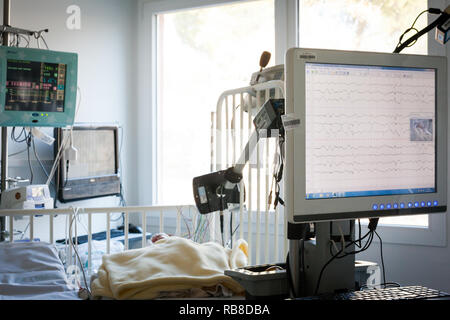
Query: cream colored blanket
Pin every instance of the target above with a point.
(171, 264)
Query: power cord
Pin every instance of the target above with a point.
(365, 247)
(372, 226)
(382, 258)
(221, 215)
(26, 137)
(277, 176)
(412, 29)
(82, 291)
(384, 284)
(412, 40)
(28, 141)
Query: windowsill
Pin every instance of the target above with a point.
(434, 235)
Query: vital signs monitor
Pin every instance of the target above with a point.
(37, 87)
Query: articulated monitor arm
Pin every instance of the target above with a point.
(219, 191)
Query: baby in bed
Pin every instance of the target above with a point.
(171, 267)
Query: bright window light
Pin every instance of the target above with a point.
(202, 53)
(364, 25)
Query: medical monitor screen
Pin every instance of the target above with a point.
(96, 153)
(95, 171)
(35, 86)
(369, 131)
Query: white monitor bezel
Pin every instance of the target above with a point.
(300, 210)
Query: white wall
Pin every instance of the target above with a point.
(106, 51)
(106, 46)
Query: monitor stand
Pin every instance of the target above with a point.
(307, 257)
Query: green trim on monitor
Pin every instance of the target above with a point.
(10, 118)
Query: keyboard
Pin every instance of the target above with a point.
(392, 293)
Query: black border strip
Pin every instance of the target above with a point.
(368, 214)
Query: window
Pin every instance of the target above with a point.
(364, 25)
(215, 45)
(201, 53)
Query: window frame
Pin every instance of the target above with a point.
(286, 36)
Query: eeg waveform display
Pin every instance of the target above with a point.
(370, 130)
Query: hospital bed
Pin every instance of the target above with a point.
(42, 268)
(32, 271)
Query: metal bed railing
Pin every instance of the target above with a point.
(184, 221)
(231, 127)
(145, 212)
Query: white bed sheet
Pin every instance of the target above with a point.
(32, 271)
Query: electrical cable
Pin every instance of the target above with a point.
(23, 232)
(335, 256)
(221, 215)
(75, 214)
(27, 139)
(29, 164)
(382, 258)
(17, 153)
(185, 223)
(203, 225)
(206, 227)
(57, 158)
(236, 229)
(24, 137)
(410, 29)
(232, 232)
(230, 241)
(56, 163)
(366, 246)
(197, 228)
(441, 19)
(38, 36)
(19, 138)
(67, 174)
(323, 269)
(279, 176)
(122, 201)
(289, 278)
(385, 284)
(372, 229)
(40, 162)
(221, 228)
(26, 39)
(359, 231)
(274, 174)
(45, 42)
